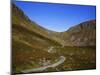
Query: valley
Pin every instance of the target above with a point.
(36, 49)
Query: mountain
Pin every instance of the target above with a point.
(78, 35)
(83, 34)
(22, 27)
(32, 43)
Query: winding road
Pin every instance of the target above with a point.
(60, 61)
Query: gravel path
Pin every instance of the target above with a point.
(60, 61)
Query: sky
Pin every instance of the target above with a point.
(57, 17)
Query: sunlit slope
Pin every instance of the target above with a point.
(23, 25)
(83, 34)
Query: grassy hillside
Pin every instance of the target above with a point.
(28, 38)
(34, 46)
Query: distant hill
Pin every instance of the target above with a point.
(83, 34)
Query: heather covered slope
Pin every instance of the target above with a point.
(34, 46)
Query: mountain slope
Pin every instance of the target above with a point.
(83, 34)
(21, 24)
(29, 42)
